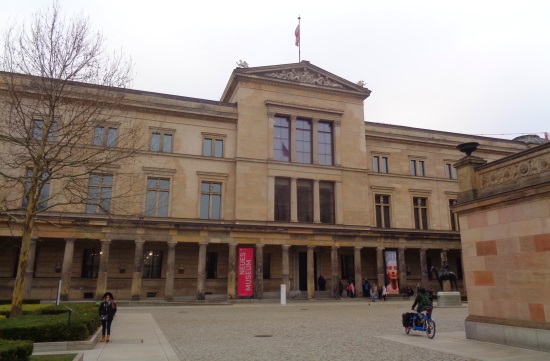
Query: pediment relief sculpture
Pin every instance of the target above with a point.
(304, 76)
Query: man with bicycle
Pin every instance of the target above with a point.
(424, 304)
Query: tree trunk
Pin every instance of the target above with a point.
(19, 287)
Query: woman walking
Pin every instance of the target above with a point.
(107, 310)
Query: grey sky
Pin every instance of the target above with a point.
(474, 67)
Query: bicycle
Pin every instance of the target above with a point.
(425, 324)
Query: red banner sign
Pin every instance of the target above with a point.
(246, 272)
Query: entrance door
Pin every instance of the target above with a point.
(302, 270)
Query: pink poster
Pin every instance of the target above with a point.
(246, 273)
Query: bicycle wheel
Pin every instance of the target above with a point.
(430, 328)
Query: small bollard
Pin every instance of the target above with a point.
(283, 294)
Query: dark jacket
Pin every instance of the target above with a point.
(107, 308)
(421, 300)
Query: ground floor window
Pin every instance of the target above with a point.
(347, 267)
(90, 263)
(152, 264)
(211, 265)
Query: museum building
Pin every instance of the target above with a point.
(284, 167)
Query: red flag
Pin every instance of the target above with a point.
(297, 33)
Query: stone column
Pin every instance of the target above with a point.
(138, 269)
(335, 284)
(357, 269)
(231, 271)
(423, 267)
(30, 267)
(66, 271)
(316, 205)
(310, 273)
(201, 273)
(293, 200)
(103, 273)
(315, 140)
(170, 262)
(259, 284)
(285, 270)
(380, 264)
(402, 268)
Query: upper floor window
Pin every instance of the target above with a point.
(161, 141)
(99, 193)
(382, 207)
(326, 202)
(303, 141)
(450, 171)
(212, 147)
(282, 199)
(105, 136)
(152, 264)
(211, 200)
(281, 144)
(324, 141)
(44, 183)
(380, 164)
(157, 197)
(417, 168)
(38, 130)
(420, 206)
(453, 216)
(305, 200)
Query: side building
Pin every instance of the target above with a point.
(284, 167)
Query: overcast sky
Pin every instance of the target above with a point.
(475, 67)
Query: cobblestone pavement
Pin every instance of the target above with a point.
(302, 330)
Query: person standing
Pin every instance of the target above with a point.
(384, 293)
(107, 310)
(373, 293)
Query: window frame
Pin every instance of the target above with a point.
(98, 208)
(450, 171)
(282, 198)
(158, 190)
(105, 131)
(152, 269)
(304, 146)
(421, 213)
(38, 130)
(211, 267)
(285, 153)
(417, 167)
(162, 133)
(214, 138)
(453, 217)
(380, 208)
(211, 178)
(331, 214)
(380, 163)
(320, 155)
(305, 207)
(44, 191)
(90, 269)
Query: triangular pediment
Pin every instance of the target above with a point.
(303, 73)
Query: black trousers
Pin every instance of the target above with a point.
(106, 325)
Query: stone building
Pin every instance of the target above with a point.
(504, 212)
(284, 164)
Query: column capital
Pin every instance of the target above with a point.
(172, 244)
(203, 243)
(260, 245)
(70, 239)
(105, 240)
(335, 248)
(310, 247)
(139, 241)
(380, 248)
(358, 247)
(285, 247)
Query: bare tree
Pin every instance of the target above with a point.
(62, 125)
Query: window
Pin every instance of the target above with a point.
(380, 164)
(212, 147)
(90, 263)
(38, 130)
(326, 202)
(282, 199)
(420, 205)
(43, 185)
(348, 271)
(156, 199)
(99, 193)
(324, 143)
(450, 171)
(417, 168)
(454, 217)
(105, 136)
(152, 264)
(211, 265)
(382, 205)
(305, 200)
(161, 142)
(267, 266)
(281, 144)
(303, 141)
(211, 197)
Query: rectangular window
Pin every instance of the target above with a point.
(382, 205)
(347, 267)
(267, 266)
(324, 143)
(43, 184)
(105, 136)
(282, 199)
(380, 164)
(161, 142)
(305, 200)
(453, 216)
(281, 139)
(211, 265)
(90, 263)
(38, 130)
(420, 205)
(99, 193)
(326, 202)
(211, 199)
(450, 171)
(212, 147)
(303, 141)
(152, 264)
(156, 198)
(417, 168)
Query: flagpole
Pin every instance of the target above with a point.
(300, 42)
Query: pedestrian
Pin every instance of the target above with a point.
(373, 293)
(384, 293)
(340, 287)
(351, 289)
(322, 282)
(379, 292)
(107, 310)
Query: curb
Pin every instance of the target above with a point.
(67, 345)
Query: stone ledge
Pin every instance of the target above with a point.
(449, 299)
(67, 345)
